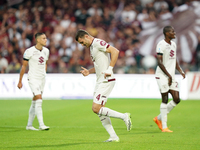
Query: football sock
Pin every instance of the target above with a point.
(38, 111)
(31, 114)
(104, 111)
(159, 117)
(106, 122)
(170, 106)
(163, 111)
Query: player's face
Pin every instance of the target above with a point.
(172, 34)
(84, 41)
(42, 40)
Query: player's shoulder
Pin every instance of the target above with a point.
(99, 42)
(46, 49)
(30, 49)
(161, 42)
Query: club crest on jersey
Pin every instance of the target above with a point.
(103, 43)
(41, 59)
(171, 53)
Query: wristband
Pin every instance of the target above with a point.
(109, 70)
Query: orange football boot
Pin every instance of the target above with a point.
(158, 122)
(166, 130)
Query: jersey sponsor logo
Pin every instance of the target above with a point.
(41, 59)
(103, 43)
(171, 53)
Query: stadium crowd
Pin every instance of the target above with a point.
(116, 21)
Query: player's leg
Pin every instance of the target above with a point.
(170, 105)
(174, 91)
(161, 119)
(100, 99)
(174, 102)
(106, 122)
(163, 110)
(32, 112)
(37, 87)
(31, 117)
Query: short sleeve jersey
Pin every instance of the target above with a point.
(169, 57)
(37, 62)
(100, 58)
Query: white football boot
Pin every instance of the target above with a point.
(31, 128)
(127, 121)
(43, 127)
(112, 139)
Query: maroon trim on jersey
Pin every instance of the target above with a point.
(102, 103)
(107, 46)
(111, 80)
(157, 78)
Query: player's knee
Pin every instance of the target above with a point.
(95, 109)
(36, 97)
(177, 100)
(165, 100)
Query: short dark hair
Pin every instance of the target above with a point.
(80, 34)
(166, 29)
(38, 34)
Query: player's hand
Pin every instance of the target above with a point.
(170, 81)
(108, 72)
(19, 85)
(183, 74)
(85, 72)
(106, 75)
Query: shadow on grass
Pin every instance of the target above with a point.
(11, 129)
(50, 146)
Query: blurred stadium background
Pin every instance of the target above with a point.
(132, 26)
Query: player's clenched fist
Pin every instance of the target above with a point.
(19, 85)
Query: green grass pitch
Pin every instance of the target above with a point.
(73, 126)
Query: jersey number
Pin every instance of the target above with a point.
(98, 97)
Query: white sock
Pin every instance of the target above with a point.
(104, 111)
(170, 106)
(159, 117)
(163, 111)
(38, 111)
(31, 114)
(106, 122)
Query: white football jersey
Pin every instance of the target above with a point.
(100, 58)
(37, 61)
(169, 57)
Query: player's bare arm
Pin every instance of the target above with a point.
(114, 56)
(46, 66)
(162, 67)
(23, 69)
(86, 72)
(180, 70)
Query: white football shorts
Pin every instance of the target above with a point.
(102, 91)
(163, 84)
(36, 85)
